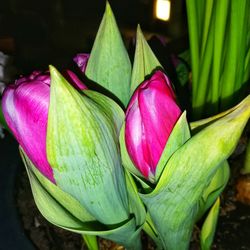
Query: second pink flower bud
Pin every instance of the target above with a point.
(151, 115)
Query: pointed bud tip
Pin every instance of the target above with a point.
(139, 28)
(139, 33)
(108, 9)
(54, 73)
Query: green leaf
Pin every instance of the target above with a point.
(173, 205)
(193, 29)
(151, 231)
(62, 210)
(109, 107)
(215, 188)
(221, 16)
(135, 203)
(83, 150)
(109, 64)
(145, 62)
(209, 226)
(179, 135)
(55, 205)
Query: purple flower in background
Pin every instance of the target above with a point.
(81, 60)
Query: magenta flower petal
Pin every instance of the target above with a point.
(81, 60)
(25, 107)
(134, 131)
(150, 118)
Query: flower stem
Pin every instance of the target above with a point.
(91, 241)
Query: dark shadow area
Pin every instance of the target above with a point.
(11, 232)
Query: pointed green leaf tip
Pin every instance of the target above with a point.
(82, 149)
(109, 64)
(144, 61)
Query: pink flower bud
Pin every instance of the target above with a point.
(150, 118)
(25, 107)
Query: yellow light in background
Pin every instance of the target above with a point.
(163, 10)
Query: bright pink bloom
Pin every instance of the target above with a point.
(150, 118)
(25, 107)
(81, 60)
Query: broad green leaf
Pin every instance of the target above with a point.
(179, 135)
(209, 226)
(109, 64)
(215, 188)
(145, 62)
(54, 208)
(64, 199)
(114, 113)
(83, 150)
(173, 205)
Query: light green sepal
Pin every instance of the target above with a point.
(114, 113)
(64, 211)
(179, 135)
(145, 62)
(109, 64)
(174, 203)
(209, 226)
(57, 206)
(83, 150)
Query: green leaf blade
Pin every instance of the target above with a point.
(173, 205)
(145, 62)
(82, 148)
(109, 64)
(209, 226)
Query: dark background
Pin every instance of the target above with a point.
(45, 32)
